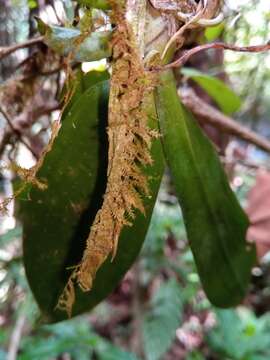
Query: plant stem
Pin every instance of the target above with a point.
(7, 50)
(136, 16)
(15, 338)
(212, 116)
(218, 45)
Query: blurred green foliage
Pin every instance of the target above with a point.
(162, 320)
(167, 264)
(228, 103)
(249, 73)
(240, 335)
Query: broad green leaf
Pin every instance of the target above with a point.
(57, 221)
(162, 320)
(82, 81)
(214, 32)
(97, 4)
(216, 224)
(53, 216)
(225, 97)
(64, 41)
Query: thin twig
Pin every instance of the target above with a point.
(7, 50)
(9, 121)
(57, 70)
(246, 163)
(17, 131)
(217, 119)
(49, 109)
(15, 338)
(218, 45)
(36, 74)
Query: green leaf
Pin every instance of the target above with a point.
(114, 353)
(214, 32)
(32, 4)
(45, 349)
(75, 338)
(162, 321)
(216, 224)
(81, 83)
(97, 4)
(223, 338)
(64, 41)
(225, 97)
(57, 221)
(53, 216)
(195, 356)
(246, 339)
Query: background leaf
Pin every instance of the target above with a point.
(224, 96)
(75, 338)
(97, 4)
(162, 320)
(215, 222)
(240, 335)
(64, 41)
(212, 33)
(258, 210)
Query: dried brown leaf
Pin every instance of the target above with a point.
(258, 210)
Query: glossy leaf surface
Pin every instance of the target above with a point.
(57, 221)
(215, 223)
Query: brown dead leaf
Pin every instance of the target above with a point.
(258, 210)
